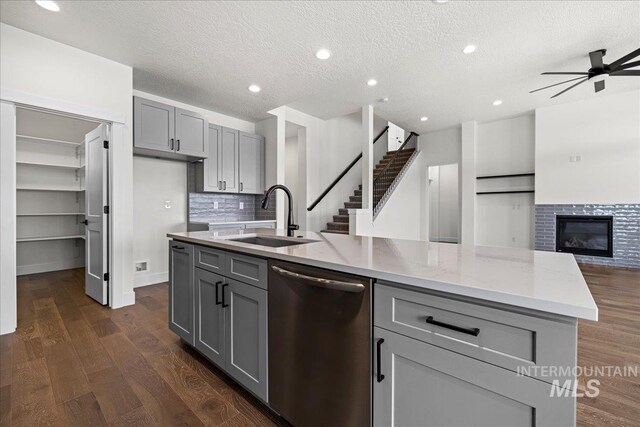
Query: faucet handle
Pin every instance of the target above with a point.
(294, 227)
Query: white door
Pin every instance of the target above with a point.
(96, 208)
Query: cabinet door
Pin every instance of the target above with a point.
(251, 163)
(153, 125)
(246, 336)
(211, 176)
(426, 385)
(192, 130)
(181, 289)
(229, 160)
(209, 315)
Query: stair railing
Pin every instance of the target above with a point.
(383, 180)
(344, 172)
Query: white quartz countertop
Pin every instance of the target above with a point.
(215, 222)
(543, 281)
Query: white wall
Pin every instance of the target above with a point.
(36, 68)
(441, 147)
(605, 132)
(157, 180)
(444, 203)
(291, 172)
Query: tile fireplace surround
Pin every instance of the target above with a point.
(626, 231)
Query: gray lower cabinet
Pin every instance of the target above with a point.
(251, 167)
(210, 316)
(246, 340)
(229, 153)
(419, 384)
(181, 270)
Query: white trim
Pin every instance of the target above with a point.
(49, 266)
(146, 279)
(44, 102)
(127, 298)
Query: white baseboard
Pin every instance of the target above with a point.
(49, 266)
(146, 279)
(128, 298)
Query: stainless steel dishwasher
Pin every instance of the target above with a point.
(319, 346)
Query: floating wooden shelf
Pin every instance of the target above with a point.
(52, 214)
(513, 175)
(47, 140)
(50, 165)
(40, 239)
(75, 190)
(505, 192)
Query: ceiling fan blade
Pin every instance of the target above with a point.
(563, 72)
(624, 59)
(561, 83)
(599, 85)
(627, 65)
(570, 87)
(625, 73)
(596, 58)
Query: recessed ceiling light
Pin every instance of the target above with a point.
(323, 54)
(424, 118)
(440, 1)
(497, 102)
(254, 88)
(49, 5)
(469, 49)
(372, 82)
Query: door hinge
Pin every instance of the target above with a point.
(106, 277)
(106, 209)
(105, 144)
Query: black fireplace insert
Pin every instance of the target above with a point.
(585, 235)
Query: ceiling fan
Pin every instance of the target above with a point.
(598, 71)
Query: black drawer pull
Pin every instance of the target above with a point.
(470, 331)
(178, 247)
(218, 302)
(379, 376)
(224, 304)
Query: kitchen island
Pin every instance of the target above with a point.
(457, 335)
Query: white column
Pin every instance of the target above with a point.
(468, 183)
(367, 157)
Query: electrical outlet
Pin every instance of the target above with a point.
(215, 205)
(578, 158)
(241, 205)
(167, 204)
(142, 266)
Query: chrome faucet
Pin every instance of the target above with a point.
(291, 227)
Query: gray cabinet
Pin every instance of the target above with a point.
(181, 270)
(229, 160)
(208, 173)
(251, 166)
(210, 316)
(421, 384)
(162, 130)
(246, 340)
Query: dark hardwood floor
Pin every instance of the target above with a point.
(73, 362)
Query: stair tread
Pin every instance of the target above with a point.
(335, 231)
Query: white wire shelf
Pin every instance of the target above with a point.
(43, 188)
(52, 214)
(50, 165)
(28, 138)
(45, 238)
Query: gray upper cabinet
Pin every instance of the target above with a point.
(251, 167)
(209, 316)
(246, 340)
(208, 173)
(153, 125)
(416, 383)
(192, 131)
(229, 153)
(181, 269)
(161, 130)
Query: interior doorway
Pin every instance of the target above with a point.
(444, 204)
(62, 196)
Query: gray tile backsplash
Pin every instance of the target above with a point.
(626, 231)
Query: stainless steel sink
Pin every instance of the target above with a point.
(273, 242)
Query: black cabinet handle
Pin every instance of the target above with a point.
(379, 376)
(224, 304)
(85, 222)
(219, 185)
(240, 186)
(178, 149)
(218, 302)
(171, 144)
(178, 247)
(470, 331)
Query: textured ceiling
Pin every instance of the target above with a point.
(207, 53)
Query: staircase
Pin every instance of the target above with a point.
(340, 223)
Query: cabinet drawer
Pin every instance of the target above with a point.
(515, 341)
(247, 269)
(210, 259)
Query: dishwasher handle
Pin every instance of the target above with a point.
(335, 285)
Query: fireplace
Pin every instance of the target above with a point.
(585, 235)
